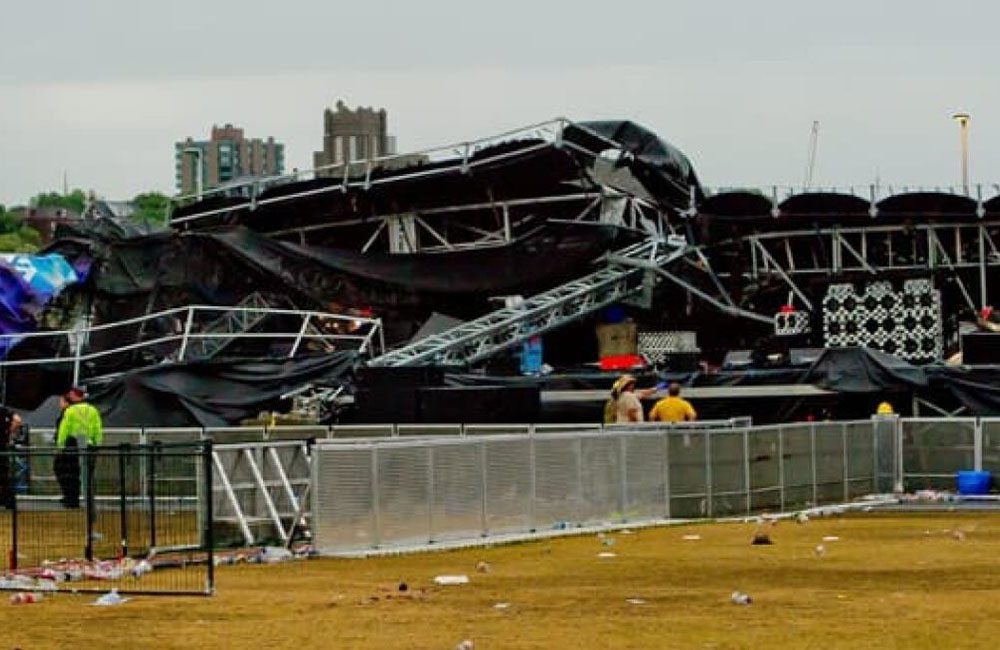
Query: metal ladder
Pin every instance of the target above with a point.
(628, 272)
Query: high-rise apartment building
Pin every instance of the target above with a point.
(349, 135)
(227, 156)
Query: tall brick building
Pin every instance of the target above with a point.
(227, 156)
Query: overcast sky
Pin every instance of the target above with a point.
(101, 89)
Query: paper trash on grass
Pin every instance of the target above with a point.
(691, 538)
(110, 598)
(452, 580)
(831, 538)
(501, 606)
(607, 554)
(635, 601)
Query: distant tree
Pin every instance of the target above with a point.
(152, 207)
(75, 200)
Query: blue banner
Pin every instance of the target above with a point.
(27, 284)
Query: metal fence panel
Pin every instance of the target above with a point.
(458, 478)
(645, 476)
(602, 490)
(765, 468)
(991, 445)
(797, 465)
(508, 486)
(861, 459)
(558, 481)
(728, 470)
(689, 473)
(934, 449)
(403, 494)
(343, 493)
(830, 456)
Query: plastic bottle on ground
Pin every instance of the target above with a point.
(740, 598)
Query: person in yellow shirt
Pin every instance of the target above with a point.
(673, 407)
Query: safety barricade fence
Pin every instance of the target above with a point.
(132, 517)
(385, 494)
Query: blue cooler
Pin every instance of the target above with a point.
(970, 482)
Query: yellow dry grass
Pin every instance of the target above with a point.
(890, 582)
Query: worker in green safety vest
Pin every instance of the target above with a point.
(78, 425)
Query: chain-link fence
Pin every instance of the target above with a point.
(133, 517)
(414, 492)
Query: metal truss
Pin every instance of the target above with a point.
(930, 247)
(481, 338)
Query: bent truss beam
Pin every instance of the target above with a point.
(481, 338)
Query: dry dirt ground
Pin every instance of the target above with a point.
(890, 581)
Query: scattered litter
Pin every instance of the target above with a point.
(501, 606)
(483, 567)
(608, 541)
(141, 569)
(606, 554)
(452, 580)
(691, 538)
(831, 538)
(25, 598)
(740, 598)
(467, 644)
(635, 601)
(274, 554)
(110, 598)
(802, 517)
(761, 539)
(820, 550)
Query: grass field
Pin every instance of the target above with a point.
(890, 581)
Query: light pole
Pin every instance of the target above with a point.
(198, 171)
(963, 125)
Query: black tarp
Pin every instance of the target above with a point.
(658, 166)
(213, 393)
(975, 388)
(861, 370)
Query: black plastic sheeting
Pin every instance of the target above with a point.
(213, 393)
(861, 370)
(661, 168)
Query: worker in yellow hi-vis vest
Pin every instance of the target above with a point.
(79, 424)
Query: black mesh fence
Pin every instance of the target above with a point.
(136, 518)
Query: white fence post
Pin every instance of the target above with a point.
(376, 519)
(708, 473)
(812, 456)
(623, 476)
(666, 474)
(484, 520)
(746, 466)
(977, 452)
(430, 493)
(898, 469)
(781, 468)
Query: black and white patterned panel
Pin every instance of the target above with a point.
(905, 323)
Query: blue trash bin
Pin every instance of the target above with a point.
(972, 482)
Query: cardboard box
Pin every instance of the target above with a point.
(617, 339)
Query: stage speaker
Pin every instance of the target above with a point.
(479, 404)
(409, 376)
(803, 356)
(386, 405)
(737, 360)
(981, 349)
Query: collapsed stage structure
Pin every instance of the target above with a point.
(276, 288)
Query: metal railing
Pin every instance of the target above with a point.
(186, 325)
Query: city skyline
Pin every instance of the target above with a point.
(735, 87)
